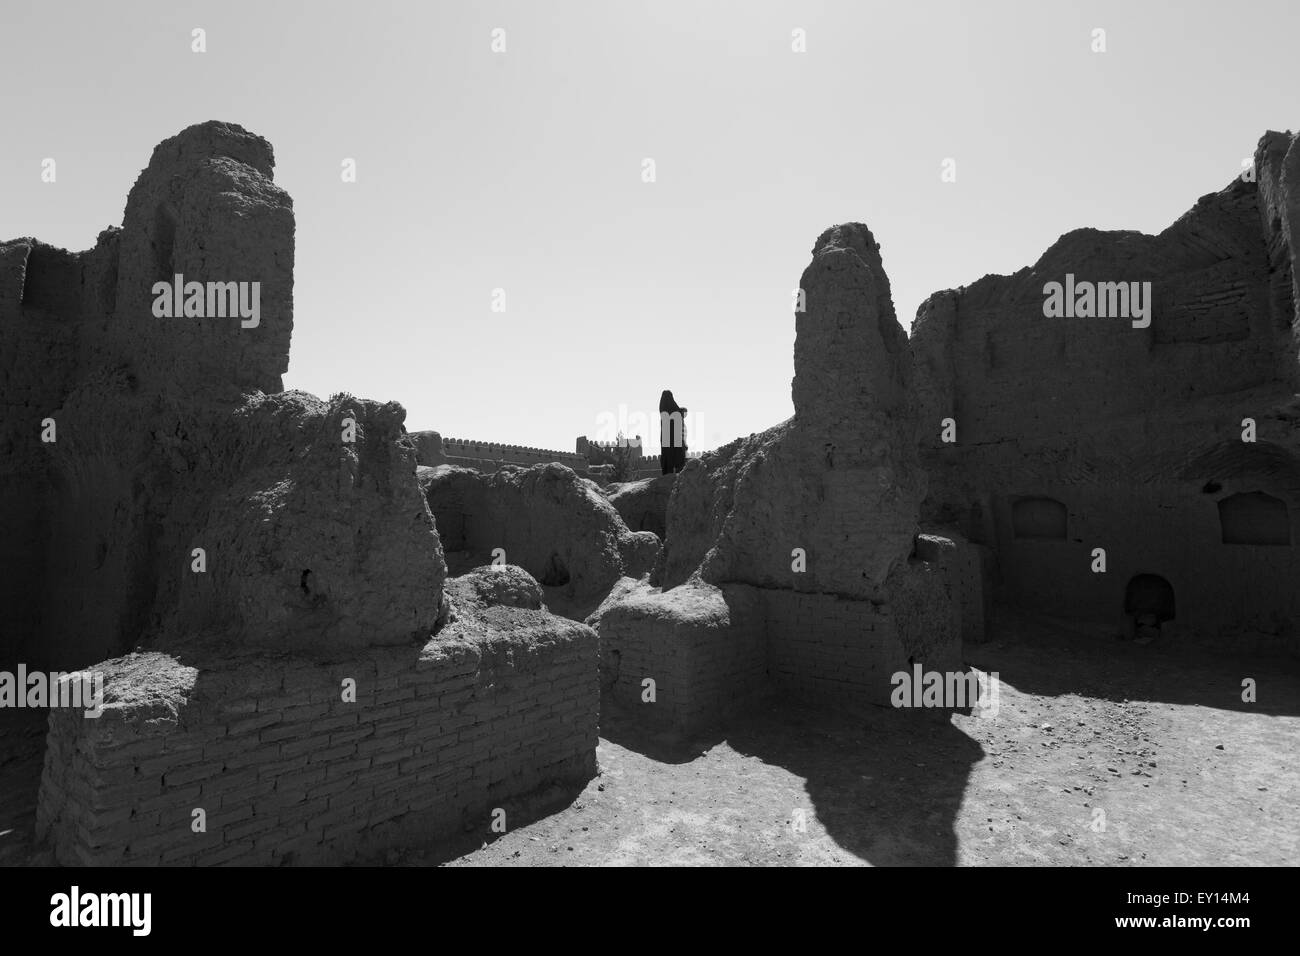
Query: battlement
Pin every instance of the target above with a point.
(475, 443)
(433, 449)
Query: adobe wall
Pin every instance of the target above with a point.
(1168, 528)
(793, 553)
(1136, 431)
(37, 355)
(547, 519)
(702, 647)
(129, 392)
(712, 651)
(258, 546)
(643, 503)
(488, 457)
(287, 772)
(205, 207)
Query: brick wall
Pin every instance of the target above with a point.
(713, 651)
(287, 772)
(703, 648)
(829, 649)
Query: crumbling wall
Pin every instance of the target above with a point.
(1120, 423)
(843, 481)
(260, 547)
(711, 651)
(428, 448)
(316, 536)
(546, 519)
(811, 525)
(285, 770)
(681, 659)
(37, 353)
(123, 388)
(1277, 170)
(643, 504)
(205, 208)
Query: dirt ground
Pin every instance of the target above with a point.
(1102, 753)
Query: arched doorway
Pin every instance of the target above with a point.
(1149, 603)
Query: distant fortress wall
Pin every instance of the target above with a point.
(486, 456)
(432, 449)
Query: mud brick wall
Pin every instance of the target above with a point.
(287, 772)
(1168, 529)
(713, 651)
(37, 354)
(840, 652)
(704, 649)
(828, 649)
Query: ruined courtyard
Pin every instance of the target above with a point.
(320, 638)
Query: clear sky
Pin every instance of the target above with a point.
(523, 170)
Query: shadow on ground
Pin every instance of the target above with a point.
(1053, 657)
(885, 785)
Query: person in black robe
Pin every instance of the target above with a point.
(672, 434)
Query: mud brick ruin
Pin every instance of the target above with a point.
(226, 689)
(1086, 433)
(331, 637)
(790, 558)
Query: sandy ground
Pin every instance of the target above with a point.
(1102, 752)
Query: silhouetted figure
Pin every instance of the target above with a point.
(672, 434)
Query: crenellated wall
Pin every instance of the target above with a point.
(433, 449)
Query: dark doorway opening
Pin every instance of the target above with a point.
(1149, 602)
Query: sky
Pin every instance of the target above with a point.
(524, 170)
